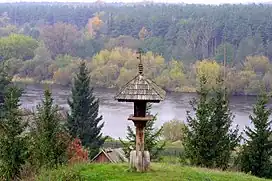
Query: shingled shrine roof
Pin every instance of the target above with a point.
(141, 88)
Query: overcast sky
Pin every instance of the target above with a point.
(169, 1)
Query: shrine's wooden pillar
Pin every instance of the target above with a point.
(139, 111)
(140, 120)
(140, 91)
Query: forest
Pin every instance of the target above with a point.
(44, 42)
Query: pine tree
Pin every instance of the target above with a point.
(257, 152)
(83, 121)
(50, 146)
(12, 141)
(208, 137)
(152, 139)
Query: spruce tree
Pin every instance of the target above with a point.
(208, 137)
(196, 132)
(49, 145)
(83, 120)
(5, 80)
(151, 136)
(225, 139)
(12, 141)
(257, 152)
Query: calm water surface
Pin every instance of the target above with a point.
(115, 114)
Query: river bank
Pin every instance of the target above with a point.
(185, 89)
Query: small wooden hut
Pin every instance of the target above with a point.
(140, 90)
(109, 155)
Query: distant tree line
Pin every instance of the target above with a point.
(184, 32)
(44, 42)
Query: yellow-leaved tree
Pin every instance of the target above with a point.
(172, 77)
(93, 26)
(258, 64)
(116, 67)
(210, 69)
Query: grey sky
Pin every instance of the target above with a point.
(169, 1)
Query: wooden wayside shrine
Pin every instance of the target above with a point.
(140, 90)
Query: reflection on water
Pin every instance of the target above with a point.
(115, 113)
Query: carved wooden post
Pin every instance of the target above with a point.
(140, 90)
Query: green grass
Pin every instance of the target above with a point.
(176, 144)
(158, 172)
(170, 159)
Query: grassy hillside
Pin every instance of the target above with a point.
(159, 172)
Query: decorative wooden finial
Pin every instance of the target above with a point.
(141, 68)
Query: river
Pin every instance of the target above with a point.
(115, 113)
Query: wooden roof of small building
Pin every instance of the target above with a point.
(116, 155)
(140, 88)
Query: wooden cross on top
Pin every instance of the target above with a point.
(141, 68)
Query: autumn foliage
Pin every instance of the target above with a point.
(94, 24)
(76, 152)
